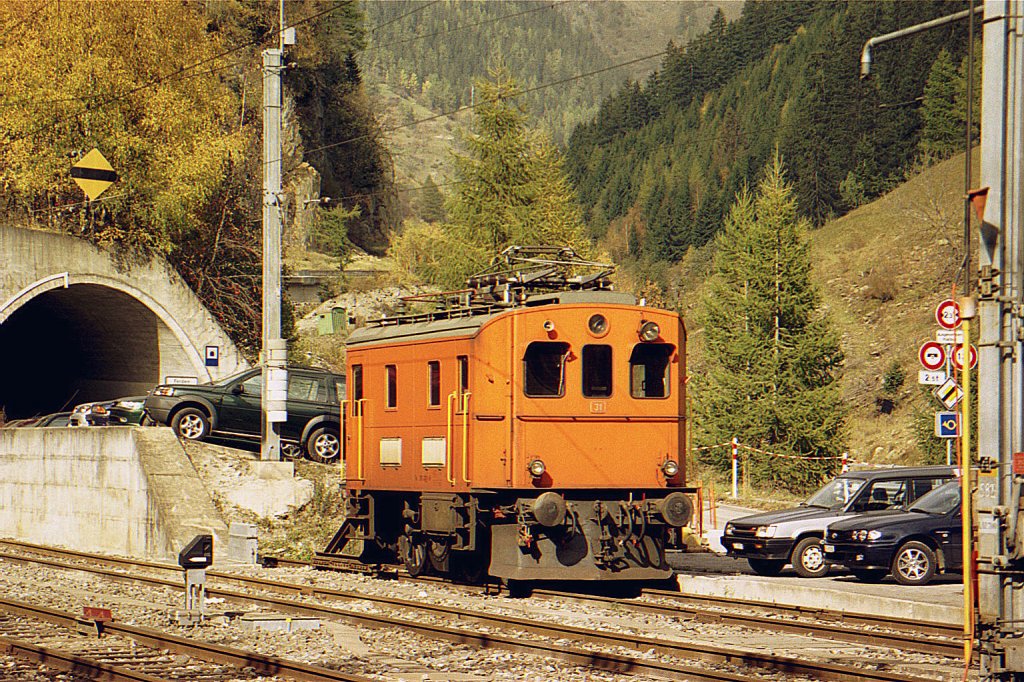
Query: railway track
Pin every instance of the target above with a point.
(549, 638)
(125, 653)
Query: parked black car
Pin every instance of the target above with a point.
(912, 545)
(231, 407)
(773, 539)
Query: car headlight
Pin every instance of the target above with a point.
(862, 535)
(728, 529)
(163, 390)
(129, 404)
(765, 531)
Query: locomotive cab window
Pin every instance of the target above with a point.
(597, 371)
(648, 370)
(392, 387)
(434, 375)
(357, 388)
(544, 369)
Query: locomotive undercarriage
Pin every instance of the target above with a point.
(517, 535)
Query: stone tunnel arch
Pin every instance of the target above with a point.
(94, 339)
(75, 328)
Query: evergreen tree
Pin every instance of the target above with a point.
(431, 208)
(943, 131)
(773, 360)
(511, 188)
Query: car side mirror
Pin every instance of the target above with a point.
(238, 389)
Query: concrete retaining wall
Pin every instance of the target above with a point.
(122, 490)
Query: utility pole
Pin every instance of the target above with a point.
(274, 356)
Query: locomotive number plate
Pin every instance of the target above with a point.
(597, 407)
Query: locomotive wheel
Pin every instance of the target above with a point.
(413, 555)
(439, 553)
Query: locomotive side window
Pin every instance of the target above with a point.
(392, 394)
(463, 373)
(434, 372)
(597, 371)
(357, 382)
(544, 364)
(463, 382)
(648, 370)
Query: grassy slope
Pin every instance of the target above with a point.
(910, 242)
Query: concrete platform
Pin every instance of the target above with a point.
(715, 574)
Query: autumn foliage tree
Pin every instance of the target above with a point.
(170, 94)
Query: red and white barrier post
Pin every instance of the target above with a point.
(735, 468)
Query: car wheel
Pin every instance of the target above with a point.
(323, 445)
(869, 575)
(766, 567)
(291, 450)
(809, 558)
(146, 421)
(914, 564)
(191, 423)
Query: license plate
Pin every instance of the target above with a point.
(829, 548)
(737, 545)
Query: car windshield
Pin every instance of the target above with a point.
(942, 500)
(835, 494)
(227, 380)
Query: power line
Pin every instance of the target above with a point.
(469, 107)
(403, 16)
(174, 75)
(461, 28)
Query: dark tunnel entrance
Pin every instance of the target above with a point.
(69, 346)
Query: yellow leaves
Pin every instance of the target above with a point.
(118, 76)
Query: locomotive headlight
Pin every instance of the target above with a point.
(649, 331)
(536, 468)
(765, 531)
(670, 468)
(597, 324)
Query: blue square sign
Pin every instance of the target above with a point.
(213, 356)
(947, 424)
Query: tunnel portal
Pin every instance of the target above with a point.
(83, 343)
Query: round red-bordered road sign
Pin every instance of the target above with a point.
(932, 355)
(957, 356)
(947, 314)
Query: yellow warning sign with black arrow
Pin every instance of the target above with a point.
(93, 174)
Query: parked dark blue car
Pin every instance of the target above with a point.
(912, 545)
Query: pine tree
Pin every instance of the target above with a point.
(943, 132)
(773, 360)
(431, 205)
(511, 188)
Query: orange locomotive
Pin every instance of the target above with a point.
(531, 436)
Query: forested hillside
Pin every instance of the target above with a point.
(432, 51)
(663, 158)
